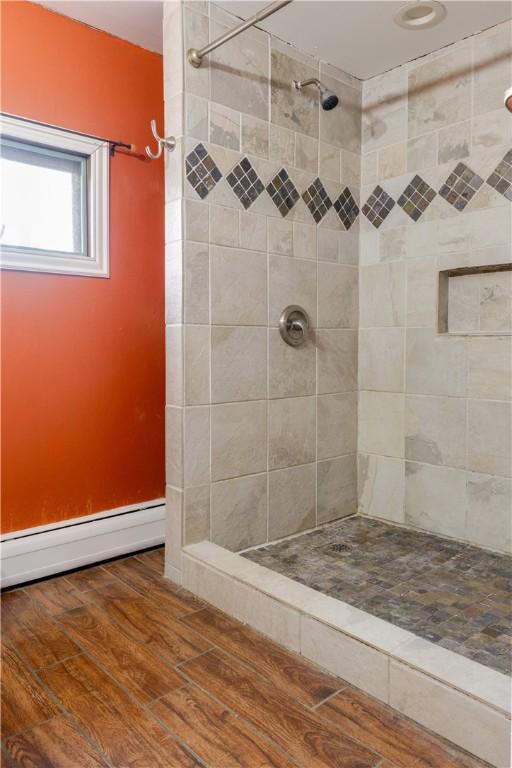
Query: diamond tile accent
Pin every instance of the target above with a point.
(501, 177)
(201, 171)
(245, 183)
(317, 200)
(283, 192)
(460, 186)
(416, 197)
(346, 208)
(378, 206)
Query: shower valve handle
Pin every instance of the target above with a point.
(294, 325)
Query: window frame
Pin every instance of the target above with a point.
(95, 262)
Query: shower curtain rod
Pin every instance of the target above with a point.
(113, 145)
(195, 56)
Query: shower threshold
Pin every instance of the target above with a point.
(455, 595)
(366, 600)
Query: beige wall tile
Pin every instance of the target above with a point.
(351, 169)
(489, 368)
(454, 142)
(337, 425)
(196, 117)
(351, 660)
(435, 499)
(385, 110)
(337, 360)
(463, 304)
(381, 359)
(197, 364)
(422, 152)
(174, 446)
(174, 293)
(292, 504)
(239, 512)
(489, 436)
(342, 127)
(196, 442)
(435, 431)
(392, 161)
(254, 136)
(381, 423)
(239, 73)
(369, 168)
(253, 231)
(196, 510)
(280, 237)
(435, 365)
(495, 302)
(291, 281)
(329, 162)
(239, 439)
(381, 487)
(306, 153)
(382, 301)
(459, 718)
(440, 91)
(174, 364)
(292, 370)
(223, 225)
(291, 431)
(328, 244)
(421, 298)
(336, 488)
(291, 108)
(197, 81)
(196, 283)
(392, 244)
(239, 287)
(239, 364)
(489, 520)
(224, 126)
(337, 296)
(304, 240)
(196, 221)
(491, 50)
(281, 145)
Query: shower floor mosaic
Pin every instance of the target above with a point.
(452, 594)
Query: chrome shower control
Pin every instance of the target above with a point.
(294, 325)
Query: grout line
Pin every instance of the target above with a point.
(328, 698)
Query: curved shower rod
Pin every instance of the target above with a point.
(195, 56)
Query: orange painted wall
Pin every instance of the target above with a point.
(83, 358)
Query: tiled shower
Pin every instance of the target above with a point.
(365, 475)
(351, 214)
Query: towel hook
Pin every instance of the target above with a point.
(169, 143)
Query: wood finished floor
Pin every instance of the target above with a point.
(114, 666)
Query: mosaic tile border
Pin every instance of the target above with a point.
(459, 188)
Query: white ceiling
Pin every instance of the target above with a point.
(359, 36)
(139, 21)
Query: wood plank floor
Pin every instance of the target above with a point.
(115, 667)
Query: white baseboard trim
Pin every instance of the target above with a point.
(37, 552)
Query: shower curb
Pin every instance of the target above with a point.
(455, 697)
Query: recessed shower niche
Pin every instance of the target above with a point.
(476, 300)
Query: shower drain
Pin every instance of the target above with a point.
(340, 548)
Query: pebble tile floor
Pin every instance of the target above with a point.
(452, 594)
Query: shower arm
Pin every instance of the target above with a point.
(195, 56)
(300, 84)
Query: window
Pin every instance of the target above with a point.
(53, 200)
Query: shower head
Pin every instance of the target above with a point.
(328, 99)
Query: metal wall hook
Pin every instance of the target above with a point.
(169, 143)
